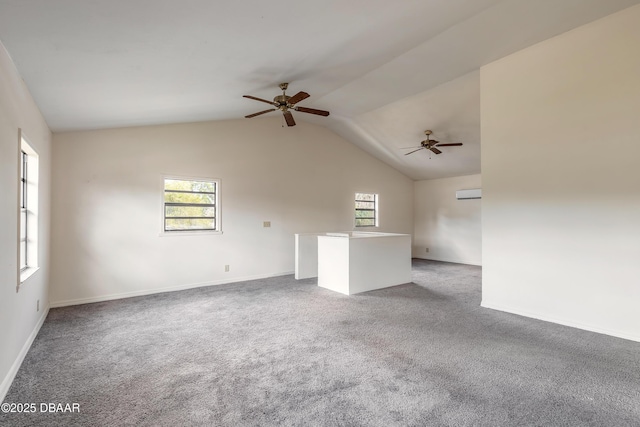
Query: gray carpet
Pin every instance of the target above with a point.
(285, 352)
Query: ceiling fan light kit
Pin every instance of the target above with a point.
(431, 144)
(286, 103)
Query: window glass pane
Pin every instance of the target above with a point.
(23, 177)
(189, 224)
(172, 211)
(188, 185)
(184, 200)
(365, 205)
(360, 222)
(189, 198)
(23, 224)
(365, 214)
(28, 219)
(365, 196)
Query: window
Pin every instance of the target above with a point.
(28, 222)
(24, 235)
(366, 210)
(190, 205)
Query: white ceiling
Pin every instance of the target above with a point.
(386, 70)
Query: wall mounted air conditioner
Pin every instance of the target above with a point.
(475, 193)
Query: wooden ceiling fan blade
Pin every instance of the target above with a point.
(298, 97)
(261, 112)
(288, 117)
(453, 144)
(259, 99)
(407, 148)
(421, 148)
(435, 150)
(312, 111)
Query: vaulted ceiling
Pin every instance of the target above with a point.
(386, 70)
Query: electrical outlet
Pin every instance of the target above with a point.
(427, 250)
(38, 305)
(226, 268)
(266, 224)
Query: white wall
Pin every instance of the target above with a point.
(108, 192)
(450, 228)
(18, 316)
(561, 182)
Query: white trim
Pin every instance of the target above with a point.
(122, 295)
(8, 379)
(26, 273)
(446, 260)
(560, 321)
(187, 233)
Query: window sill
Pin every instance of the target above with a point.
(26, 273)
(188, 233)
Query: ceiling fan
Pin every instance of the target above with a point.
(285, 103)
(431, 144)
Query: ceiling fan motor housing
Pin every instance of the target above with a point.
(282, 100)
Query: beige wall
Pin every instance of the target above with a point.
(450, 228)
(18, 316)
(561, 182)
(107, 206)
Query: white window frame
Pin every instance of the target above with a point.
(376, 210)
(164, 233)
(31, 206)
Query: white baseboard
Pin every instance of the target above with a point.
(8, 379)
(122, 295)
(560, 321)
(445, 260)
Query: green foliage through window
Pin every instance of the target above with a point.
(190, 205)
(366, 210)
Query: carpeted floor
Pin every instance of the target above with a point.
(285, 352)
